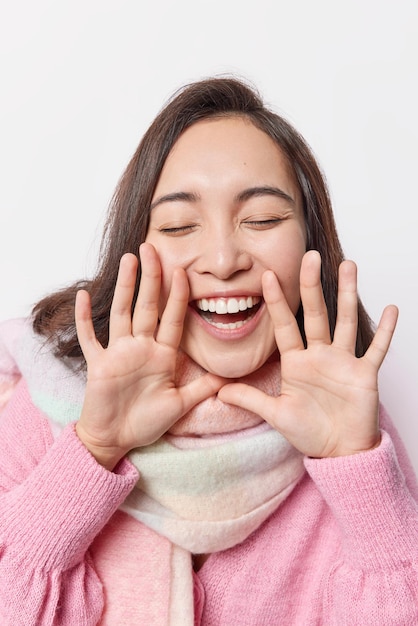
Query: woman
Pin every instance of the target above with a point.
(205, 444)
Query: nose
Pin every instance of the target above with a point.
(223, 256)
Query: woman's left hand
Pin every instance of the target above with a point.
(328, 404)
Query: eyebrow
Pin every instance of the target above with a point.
(176, 196)
(242, 196)
(265, 190)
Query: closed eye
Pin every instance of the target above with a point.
(264, 224)
(177, 230)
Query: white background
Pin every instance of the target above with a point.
(81, 80)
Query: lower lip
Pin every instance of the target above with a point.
(229, 334)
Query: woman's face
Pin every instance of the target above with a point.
(226, 208)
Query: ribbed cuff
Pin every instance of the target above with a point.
(368, 497)
(53, 516)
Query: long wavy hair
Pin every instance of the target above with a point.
(128, 217)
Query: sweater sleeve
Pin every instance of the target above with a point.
(375, 579)
(55, 498)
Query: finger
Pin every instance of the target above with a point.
(120, 321)
(170, 329)
(200, 389)
(145, 318)
(251, 399)
(190, 395)
(286, 329)
(84, 325)
(383, 337)
(345, 334)
(315, 311)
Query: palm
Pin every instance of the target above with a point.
(132, 373)
(131, 398)
(328, 404)
(325, 396)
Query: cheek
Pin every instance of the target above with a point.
(289, 280)
(165, 291)
(167, 265)
(170, 257)
(291, 290)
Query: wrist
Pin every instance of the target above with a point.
(366, 447)
(107, 456)
(358, 449)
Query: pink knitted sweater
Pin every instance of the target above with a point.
(342, 549)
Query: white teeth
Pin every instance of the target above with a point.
(231, 326)
(221, 306)
(233, 306)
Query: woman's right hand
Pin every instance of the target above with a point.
(131, 398)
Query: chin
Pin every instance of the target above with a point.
(230, 359)
(234, 368)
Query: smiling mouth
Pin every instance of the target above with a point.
(228, 313)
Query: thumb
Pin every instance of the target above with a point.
(200, 389)
(246, 397)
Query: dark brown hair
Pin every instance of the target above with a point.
(127, 222)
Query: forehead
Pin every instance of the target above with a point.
(216, 147)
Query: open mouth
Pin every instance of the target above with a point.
(228, 313)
